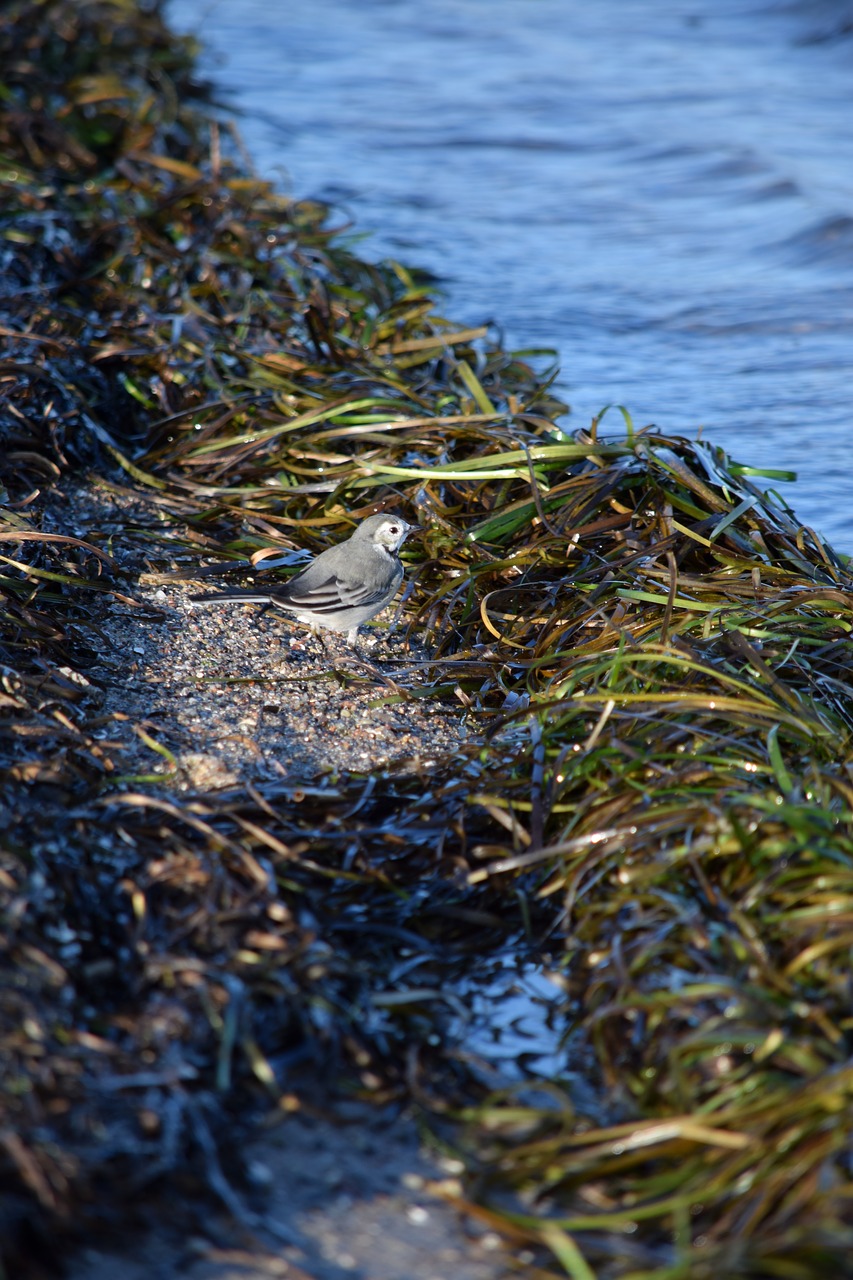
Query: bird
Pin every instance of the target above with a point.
(344, 585)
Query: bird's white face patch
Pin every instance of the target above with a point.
(391, 534)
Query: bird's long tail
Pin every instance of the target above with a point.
(234, 596)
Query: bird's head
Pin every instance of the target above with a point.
(386, 531)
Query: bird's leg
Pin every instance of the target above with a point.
(317, 633)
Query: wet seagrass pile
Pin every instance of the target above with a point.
(618, 703)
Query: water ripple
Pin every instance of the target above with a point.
(672, 209)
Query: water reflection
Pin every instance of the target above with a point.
(513, 1022)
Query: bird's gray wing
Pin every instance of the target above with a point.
(332, 594)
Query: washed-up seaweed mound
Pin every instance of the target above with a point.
(652, 656)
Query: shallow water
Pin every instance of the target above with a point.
(661, 190)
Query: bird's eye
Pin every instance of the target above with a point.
(394, 528)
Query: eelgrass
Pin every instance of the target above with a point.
(653, 655)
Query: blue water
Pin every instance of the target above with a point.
(660, 190)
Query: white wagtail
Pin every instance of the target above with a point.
(345, 585)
